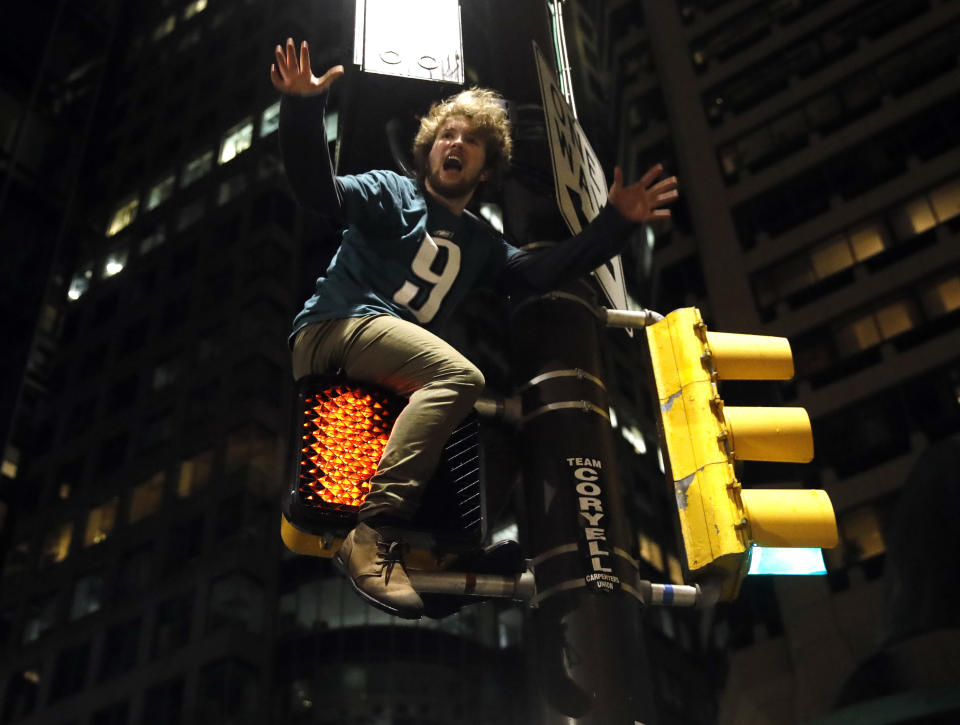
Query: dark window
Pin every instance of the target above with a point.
(273, 207)
(163, 703)
(184, 261)
(863, 435)
(120, 648)
(228, 691)
(135, 573)
(116, 714)
(70, 672)
(134, 336)
(175, 313)
(184, 543)
(122, 395)
(91, 363)
(106, 308)
(21, 694)
(258, 377)
(113, 453)
(236, 600)
(157, 429)
(172, 628)
(230, 516)
(266, 259)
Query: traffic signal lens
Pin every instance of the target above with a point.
(790, 517)
(786, 560)
(770, 434)
(750, 357)
(345, 430)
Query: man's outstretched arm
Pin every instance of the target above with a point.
(303, 140)
(600, 240)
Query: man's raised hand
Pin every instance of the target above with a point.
(293, 75)
(642, 201)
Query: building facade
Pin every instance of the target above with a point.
(821, 200)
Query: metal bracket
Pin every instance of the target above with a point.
(633, 319)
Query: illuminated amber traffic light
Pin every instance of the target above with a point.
(345, 428)
(702, 439)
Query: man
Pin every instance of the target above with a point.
(408, 255)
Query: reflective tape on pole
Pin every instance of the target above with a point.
(770, 434)
(790, 517)
(750, 357)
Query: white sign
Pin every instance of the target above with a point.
(578, 177)
(410, 38)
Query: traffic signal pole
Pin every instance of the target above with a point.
(585, 644)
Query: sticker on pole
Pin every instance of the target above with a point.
(578, 177)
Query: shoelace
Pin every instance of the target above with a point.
(389, 554)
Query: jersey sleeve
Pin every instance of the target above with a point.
(306, 155)
(546, 268)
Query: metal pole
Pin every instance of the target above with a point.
(587, 649)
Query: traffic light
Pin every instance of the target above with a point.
(344, 426)
(702, 439)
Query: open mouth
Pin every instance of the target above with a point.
(452, 163)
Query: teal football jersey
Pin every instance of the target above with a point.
(402, 254)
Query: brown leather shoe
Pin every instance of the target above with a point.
(372, 561)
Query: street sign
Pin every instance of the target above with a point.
(410, 39)
(578, 177)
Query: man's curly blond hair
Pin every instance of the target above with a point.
(485, 111)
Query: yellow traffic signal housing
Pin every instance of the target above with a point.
(702, 438)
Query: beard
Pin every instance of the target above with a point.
(453, 189)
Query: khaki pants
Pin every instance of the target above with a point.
(442, 386)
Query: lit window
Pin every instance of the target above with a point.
(331, 124)
(80, 282)
(193, 8)
(123, 216)
(87, 596)
(56, 544)
(868, 240)
(160, 192)
(493, 214)
(196, 168)
(230, 189)
(832, 257)
(100, 522)
(9, 469)
(154, 240)
(914, 217)
(270, 120)
(650, 551)
(165, 28)
(861, 534)
(946, 200)
(635, 438)
(675, 570)
(895, 319)
(194, 474)
(114, 263)
(237, 140)
(858, 335)
(190, 215)
(146, 498)
(943, 297)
